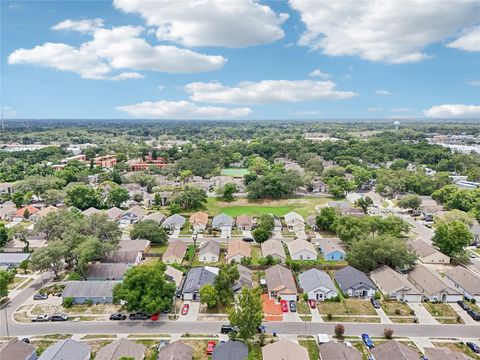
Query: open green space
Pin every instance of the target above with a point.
(234, 172)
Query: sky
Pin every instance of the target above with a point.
(242, 59)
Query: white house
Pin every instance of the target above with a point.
(464, 281)
(395, 285)
(209, 251)
(302, 250)
(317, 285)
(294, 221)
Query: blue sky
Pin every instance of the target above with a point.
(242, 60)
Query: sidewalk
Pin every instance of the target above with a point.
(463, 314)
(384, 319)
(316, 317)
(422, 314)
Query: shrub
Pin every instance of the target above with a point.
(388, 333)
(473, 300)
(67, 302)
(398, 312)
(378, 296)
(74, 276)
(305, 297)
(339, 330)
(89, 302)
(329, 316)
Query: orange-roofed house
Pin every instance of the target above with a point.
(20, 213)
(199, 221)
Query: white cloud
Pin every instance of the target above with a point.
(374, 109)
(378, 30)
(233, 24)
(400, 110)
(319, 73)
(128, 75)
(181, 110)
(266, 91)
(87, 26)
(453, 111)
(383, 92)
(116, 49)
(8, 111)
(474, 82)
(304, 112)
(469, 41)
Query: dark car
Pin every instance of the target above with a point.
(59, 317)
(162, 344)
(39, 296)
(41, 318)
(248, 239)
(26, 340)
(138, 316)
(463, 305)
(475, 348)
(473, 314)
(293, 306)
(227, 329)
(368, 341)
(375, 303)
(118, 316)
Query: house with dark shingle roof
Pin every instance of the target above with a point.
(174, 222)
(99, 292)
(355, 283)
(196, 278)
(106, 271)
(67, 349)
(230, 350)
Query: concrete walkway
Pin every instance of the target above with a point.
(316, 317)
(384, 319)
(422, 314)
(291, 317)
(463, 314)
(422, 343)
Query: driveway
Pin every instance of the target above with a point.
(225, 233)
(384, 319)
(175, 234)
(301, 235)
(463, 314)
(247, 233)
(291, 317)
(192, 311)
(316, 317)
(422, 314)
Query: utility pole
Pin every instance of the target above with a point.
(6, 322)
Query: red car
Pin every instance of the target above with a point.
(185, 308)
(284, 304)
(312, 303)
(154, 317)
(210, 346)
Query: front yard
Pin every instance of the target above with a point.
(457, 347)
(440, 310)
(311, 345)
(396, 308)
(347, 307)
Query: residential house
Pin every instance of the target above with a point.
(275, 249)
(244, 222)
(24, 212)
(355, 283)
(157, 216)
(464, 281)
(175, 351)
(331, 249)
(131, 257)
(394, 285)
(114, 213)
(196, 278)
(428, 254)
(245, 279)
(230, 350)
(317, 285)
(174, 275)
(280, 283)
(42, 212)
(432, 286)
(302, 250)
(209, 251)
(175, 252)
(7, 210)
(277, 224)
(7, 188)
(164, 197)
(222, 222)
(64, 349)
(106, 271)
(134, 245)
(476, 233)
(91, 211)
(444, 353)
(294, 222)
(121, 349)
(394, 350)
(345, 209)
(333, 350)
(16, 349)
(174, 222)
(132, 215)
(429, 208)
(107, 161)
(12, 260)
(284, 349)
(198, 221)
(99, 292)
(237, 250)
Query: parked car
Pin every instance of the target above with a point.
(312, 303)
(293, 306)
(185, 308)
(227, 329)
(284, 305)
(375, 303)
(210, 346)
(463, 305)
(41, 318)
(248, 239)
(138, 316)
(162, 344)
(118, 316)
(59, 317)
(368, 341)
(39, 296)
(154, 317)
(26, 340)
(475, 348)
(473, 314)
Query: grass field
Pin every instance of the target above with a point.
(234, 172)
(347, 307)
(439, 310)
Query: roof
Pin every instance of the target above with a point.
(107, 270)
(175, 250)
(298, 245)
(222, 220)
(391, 281)
(330, 246)
(114, 213)
(338, 351)
(13, 258)
(176, 351)
(133, 245)
(90, 211)
(428, 281)
(209, 247)
(394, 350)
(16, 349)
(89, 288)
(293, 216)
(199, 276)
(121, 348)
(230, 350)
(199, 218)
(174, 275)
(349, 277)
(444, 353)
(31, 209)
(238, 247)
(174, 219)
(273, 247)
(137, 211)
(46, 210)
(122, 256)
(284, 350)
(465, 278)
(280, 279)
(475, 230)
(155, 216)
(424, 249)
(245, 279)
(67, 349)
(312, 279)
(244, 220)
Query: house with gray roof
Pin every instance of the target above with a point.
(196, 278)
(176, 351)
(121, 348)
(99, 292)
(464, 281)
(209, 251)
(394, 285)
(106, 271)
(124, 256)
(132, 215)
(90, 211)
(432, 286)
(355, 283)
(245, 279)
(230, 350)
(222, 222)
(18, 350)
(158, 217)
(393, 350)
(444, 353)
(317, 284)
(67, 349)
(174, 222)
(428, 254)
(12, 260)
(333, 350)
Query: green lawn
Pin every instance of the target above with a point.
(347, 307)
(234, 172)
(312, 347)
(440, 309)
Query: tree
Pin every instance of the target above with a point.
(190, 198)
(228, 190)
(208, 295)
(57, 223)
(185, 175)
(327, 219)
(53, 196)
(24, 265)
(18, 198)
(4, 235)
(274, 184)
(145, 288)
(388, 333)
(90, 249)
(227, 275)
(20, 232)
(149, 230)
(5, 278)
(260, 234)
(247, 314)
(410, 202)
(453, 215)
(452, 237)
(258, 165)
(117, 196)
(364, 203)
(339, 330)
(82, 196)
(49, 257)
